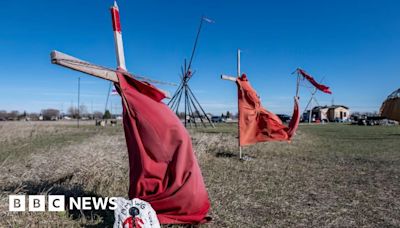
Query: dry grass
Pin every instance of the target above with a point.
(329, 176)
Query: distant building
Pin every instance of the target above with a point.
(333, 113)
(338, 113)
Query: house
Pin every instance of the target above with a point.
(338, 113)
(333, 113)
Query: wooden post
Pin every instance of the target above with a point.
(238, 63)
(234, 79)
(309, 104)
(79, 97)
(238, 75)
(298, 83)
(119, 46)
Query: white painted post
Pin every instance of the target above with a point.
(238, 62)
(234, 79)
(119, 46)
(238, 75)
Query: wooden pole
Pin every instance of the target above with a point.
(234, 79)
(238, 75)
(79, 96)
(195, 43)
(229, 78)
(185, 78)
(119, 46)
(68, 61)
(298, 83)
(309, 104)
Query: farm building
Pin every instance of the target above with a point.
(333, 113)
(391, 106)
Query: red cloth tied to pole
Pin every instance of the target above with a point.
(321, 87)
(256, 124)
(163, 169)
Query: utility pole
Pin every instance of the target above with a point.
(79, 96)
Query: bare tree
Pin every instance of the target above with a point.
(3, 115)
(83, 110)
(13, 115)
(50, 114)
(97, 115)
(33, 116)
(73, 112)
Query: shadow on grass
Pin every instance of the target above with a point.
(105, 217)
(225, 154)
(384, 137)
(228, 154)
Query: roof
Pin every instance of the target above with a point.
(395, 94)
(330, 107)
(338, 106)
(320, 107)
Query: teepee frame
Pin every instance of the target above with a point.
(194, 113)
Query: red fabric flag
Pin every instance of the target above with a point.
(257, 124)
(163, 168)
(321, 87)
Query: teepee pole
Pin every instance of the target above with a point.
(195, 43)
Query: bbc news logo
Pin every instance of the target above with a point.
(37, 203)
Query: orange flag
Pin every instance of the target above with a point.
(256, 124)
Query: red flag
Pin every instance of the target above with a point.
(256, 124)
(163, 169)
(321, 87)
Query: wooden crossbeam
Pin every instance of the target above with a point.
(73, 63)
(229, 78)
(68, 61)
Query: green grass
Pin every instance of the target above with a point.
(329, 175)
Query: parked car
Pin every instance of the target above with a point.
(216, 119)
(368, 120)
(284, 118)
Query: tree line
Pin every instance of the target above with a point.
(54, 114)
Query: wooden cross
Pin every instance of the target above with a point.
(89, 68)
(234, 79)
(73, 63)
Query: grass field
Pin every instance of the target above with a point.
(328, 176)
